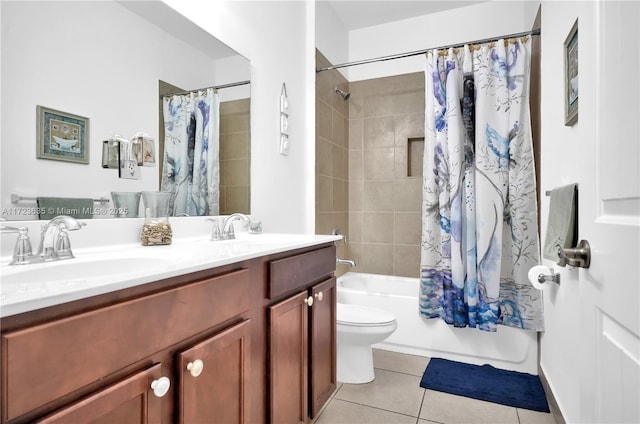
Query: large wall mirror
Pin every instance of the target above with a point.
(110, 62)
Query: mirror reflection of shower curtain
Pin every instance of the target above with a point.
(479, 230)
(191, 167)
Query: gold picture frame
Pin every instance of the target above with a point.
(571, 76)
(61, 136)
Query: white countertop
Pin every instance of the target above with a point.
(112, 267)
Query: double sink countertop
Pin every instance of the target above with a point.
(113, 266)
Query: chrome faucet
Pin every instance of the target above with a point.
(227, 227)
(349, 262)
(226, 231)
(54, 239)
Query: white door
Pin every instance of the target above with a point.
(610, 220)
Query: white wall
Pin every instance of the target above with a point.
(332, 37)
(278, 38)
(480, 21)
(64, 56)
(229, 70)
(562, 307)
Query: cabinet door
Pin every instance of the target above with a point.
(288, 360)
(129, 401)
(322, 358)
(214, 377)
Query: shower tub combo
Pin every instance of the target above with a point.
(508, 348)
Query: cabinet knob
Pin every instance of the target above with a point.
(161, 386)
(319, 296)
(309, 301)
(195, 367)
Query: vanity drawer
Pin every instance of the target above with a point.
(45, 362)
(288, 274)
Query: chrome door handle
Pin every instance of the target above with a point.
(579, 256)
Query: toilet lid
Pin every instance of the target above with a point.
(362, 315)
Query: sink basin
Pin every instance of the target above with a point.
(79, 269)
(263, 239)
(39, 285)
(269, 238)
(245, 242)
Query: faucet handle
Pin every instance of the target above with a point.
(336, 232)
(63, 245)
(255, 227)
(22, 251)
(216, 233)
(229, 233)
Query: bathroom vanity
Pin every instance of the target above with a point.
(247, 338)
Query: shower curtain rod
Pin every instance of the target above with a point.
(216, 87)
(418, 52)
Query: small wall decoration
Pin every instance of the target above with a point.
(111, 153)
(147, 148)
(284, 121)
(61, 136)
(571, 76)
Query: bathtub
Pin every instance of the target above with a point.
(508, 348)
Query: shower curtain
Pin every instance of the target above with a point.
(479, 230)
(191, 167)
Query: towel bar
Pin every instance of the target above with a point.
(548, 192)
(15, 198)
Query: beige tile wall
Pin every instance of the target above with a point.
(384, 202)
(235, 156)
(362, 186)
(332, 155)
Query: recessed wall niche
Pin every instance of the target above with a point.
(415, 154)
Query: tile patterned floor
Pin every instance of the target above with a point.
(395, 396)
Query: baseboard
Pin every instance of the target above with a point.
(553, 404)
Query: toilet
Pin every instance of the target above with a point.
(359, 327)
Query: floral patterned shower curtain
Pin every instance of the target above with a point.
(479, 231)
(191, 167)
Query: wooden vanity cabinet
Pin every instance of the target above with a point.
(99, 365)
(248, 342)
(302, 335)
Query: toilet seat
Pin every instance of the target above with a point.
(362, 316)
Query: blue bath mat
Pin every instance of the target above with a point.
(485, 383)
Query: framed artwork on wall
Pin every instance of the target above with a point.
(61, 136)
(571, 76)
